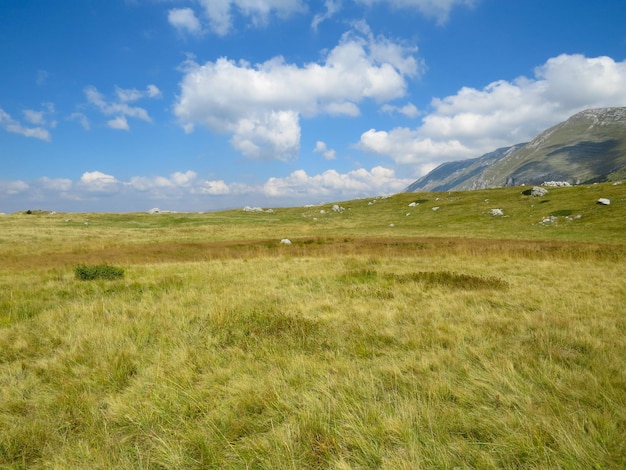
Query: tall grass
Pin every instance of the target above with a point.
(355, 347)
(318, 363)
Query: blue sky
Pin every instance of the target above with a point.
(197, 105)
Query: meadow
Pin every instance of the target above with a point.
(415, 331)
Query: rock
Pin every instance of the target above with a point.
(604, 201)
(557, 184)
(538, 191)
(154, 210)
(285, 241)
(496, 212)
(337, 208)
(436, 208)
(413, 204)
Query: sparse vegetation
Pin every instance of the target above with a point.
(470, 345)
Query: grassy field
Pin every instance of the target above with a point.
(385, 336)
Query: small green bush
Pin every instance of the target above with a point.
(98, 271)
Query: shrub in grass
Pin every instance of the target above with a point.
(98, 271)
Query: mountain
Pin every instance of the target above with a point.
(589, 147)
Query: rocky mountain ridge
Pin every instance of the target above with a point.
(588, 147)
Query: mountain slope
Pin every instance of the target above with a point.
(588, 147)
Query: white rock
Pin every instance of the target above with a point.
(496, 212)
(538, 191)
(285, 241)
(604, 201)
(413, 204)
(154, 210)
(436, 208)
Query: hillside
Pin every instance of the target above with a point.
(589, 147)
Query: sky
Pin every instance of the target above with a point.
(201, 105)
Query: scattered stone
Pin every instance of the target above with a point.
(548, 220)
(617, 183)
(337, 208)
(392, 225)
(556, 184)
(322, 211)
(285, 241)
(496, 212)
(154, 210)
(538, 191)
(408, 214)
(604, 201)
(413, 204)
(436, 208)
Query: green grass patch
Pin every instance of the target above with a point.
(98, 271)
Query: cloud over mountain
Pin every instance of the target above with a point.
(475, 121)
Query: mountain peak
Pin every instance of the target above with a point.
(590, 146)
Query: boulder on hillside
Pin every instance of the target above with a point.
(604, 201)
(538, 191)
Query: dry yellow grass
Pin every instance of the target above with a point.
(221, 348)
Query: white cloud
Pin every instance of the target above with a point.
(183, 179)
(34, 117)
(11, 188)
(11, 125)
(96, 181)
(215, 188)
(120, 123)
(437, 9)
(176, 181)
(55, 184)
(409, 110)
(334, 185)
(81, 118)
(328, 154)
(220, 12)
(473, 122)
(42, 77)
(332, 7)
(185, 192)
(120, 107)
(185, 20)
(261, 105)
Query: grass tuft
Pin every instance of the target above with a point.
(99, 271)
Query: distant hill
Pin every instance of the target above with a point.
(589, 147)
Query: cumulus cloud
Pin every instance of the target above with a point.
(38, 132)
(184, 20)
(261, 105)
(437, 9)
(96, 181)
(120, 107)
(335, 185)
(328, 154)
(475, 121)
